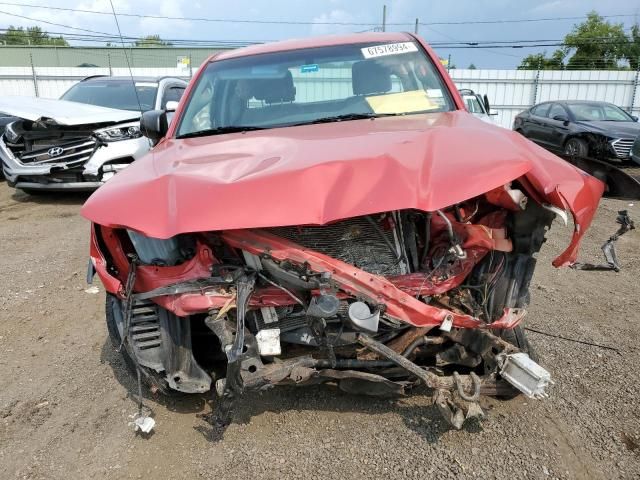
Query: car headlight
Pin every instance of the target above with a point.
(10, 134)
(122, 132)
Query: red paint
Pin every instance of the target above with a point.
(147, 277)
(317, 174)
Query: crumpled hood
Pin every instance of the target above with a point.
(62, 112)
(316, 174)
(614, 129)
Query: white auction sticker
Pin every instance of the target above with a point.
(388, 49)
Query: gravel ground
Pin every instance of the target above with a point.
(65, 395)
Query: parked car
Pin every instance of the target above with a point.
(86, 137)
(580, 128)
(288, 231)
(635, 150)
(478, 105)
(4, 121)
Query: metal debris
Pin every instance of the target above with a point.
(609, 250)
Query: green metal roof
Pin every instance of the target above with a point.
(49, 56)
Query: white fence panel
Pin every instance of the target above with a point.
(510, 91)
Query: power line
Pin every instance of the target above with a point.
(49, 23)
(104, 36)
(174, 42)
(455, 43)
(525, 20)
(458, 40)
(202, 19)
(299, 22)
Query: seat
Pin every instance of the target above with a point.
(368, 77)
(275, 90)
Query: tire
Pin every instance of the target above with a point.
(512, 290)
(518, 337)
(149, 377)
(576, 147)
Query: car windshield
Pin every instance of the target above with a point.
(314, 85)
(589, 112)
(112, 93)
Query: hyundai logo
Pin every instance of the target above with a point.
(55, 151)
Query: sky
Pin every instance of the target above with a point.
(325, 16)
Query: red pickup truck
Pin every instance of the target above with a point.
(326, 210)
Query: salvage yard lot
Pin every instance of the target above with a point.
(65, 394)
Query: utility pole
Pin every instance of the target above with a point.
(384, 18)
(35, 76)
(415, 30)
(634, 95)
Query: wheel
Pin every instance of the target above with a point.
(114, 316)
(576, 147)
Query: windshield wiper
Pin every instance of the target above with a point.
(348, 116)
(220, 130)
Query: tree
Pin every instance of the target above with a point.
(471, 67)
(632, 50)
(596, 44)
(151, 41)
(30, 36)
(540, 61)
(593, 44)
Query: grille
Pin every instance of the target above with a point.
(622, 147)
(635, 150)
(355, 241)
(72, 153)
(145, 326)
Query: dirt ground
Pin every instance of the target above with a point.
(65, 395)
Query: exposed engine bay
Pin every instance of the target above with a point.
(376, 304)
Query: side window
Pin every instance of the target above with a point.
(556, 109)
(541, 110)
(172, 94)
(473, 105)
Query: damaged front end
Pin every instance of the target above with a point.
(41, 155)
(376, 304)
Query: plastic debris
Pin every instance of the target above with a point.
(92, 290)
(142, 423)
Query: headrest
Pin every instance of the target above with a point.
(368, 77)
(275, 90)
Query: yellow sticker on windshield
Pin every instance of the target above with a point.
(403, 102)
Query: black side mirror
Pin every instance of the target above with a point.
(561, 118)
(487, 106)
(635, 119)
(154, 125)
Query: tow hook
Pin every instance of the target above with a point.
(455, 409)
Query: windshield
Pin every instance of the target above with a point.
(114, 94)
(314, 85)
(589, 112)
